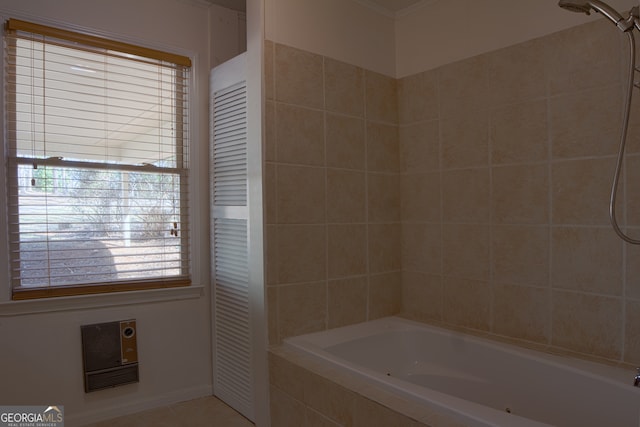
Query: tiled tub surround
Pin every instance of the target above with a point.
(481, 206)
(307, 392)
(332, 193)
(506, 166)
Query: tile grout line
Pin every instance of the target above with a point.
(326, 194)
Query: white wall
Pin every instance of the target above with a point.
(340, 29)
(41, 359)
(445, 31)
(40, 354)
(441, 32)
(223, 23)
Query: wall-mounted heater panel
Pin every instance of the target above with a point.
(109, 354)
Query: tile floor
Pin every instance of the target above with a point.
(206, 411)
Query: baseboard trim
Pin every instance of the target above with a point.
(118, 410)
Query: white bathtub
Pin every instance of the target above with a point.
(476, 381)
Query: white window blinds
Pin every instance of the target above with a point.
(97, 146)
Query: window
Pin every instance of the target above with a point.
(97, 160)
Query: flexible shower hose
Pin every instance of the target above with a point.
(623, 142)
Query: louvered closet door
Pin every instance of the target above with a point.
(229, 225)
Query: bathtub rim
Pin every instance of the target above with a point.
(473, 412)
(620, 374)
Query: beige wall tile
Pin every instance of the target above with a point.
(299, 77)
(269, 72)
(517, 73)
(382, 148)
(347, 250)
(464, 86)
(580, 191)
(632, 269)
(270, 146)
(300, 135)
(522, 311)
(467, 303)
(583, 57)
(632, 185)
(520, 194)
(345, 142)
(346, 196)
(381, 94)
(371, 414)
(270, 193)
(301, 195)
(589, 324)
(519, 133)
(585, 123)
(271, 255)
(465, 251)
(302, 308)
(420, 147)
(520, 254)
(418, 97)
(465, 195)
(510, 110)
(420, 197)
(315, 419)
(630, 232)
(301, 253)
(587, 259)
(633, 131)
(285, 411)
(286, 376)
(422, 247)
(385, 294)
(422, 295)
(384, 247)
(632, 332)
(347, 301)
(272, 314)
(329, 398)
(344, 88)
(465, 140)
(383, 199)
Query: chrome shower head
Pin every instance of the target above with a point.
(585, 6)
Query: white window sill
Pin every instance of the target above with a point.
(82, 302)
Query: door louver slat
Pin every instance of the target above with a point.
(229, 131)
(232, 379)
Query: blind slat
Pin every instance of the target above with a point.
(97, 146)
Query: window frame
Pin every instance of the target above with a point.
(140, 290)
